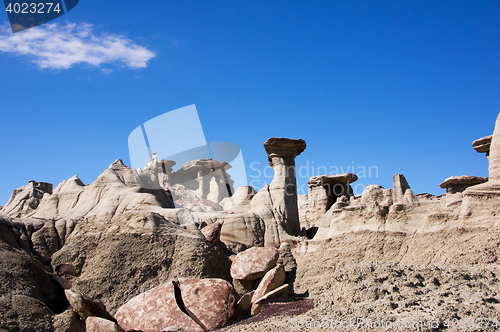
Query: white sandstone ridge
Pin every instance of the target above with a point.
(113, 193)
(201, 193)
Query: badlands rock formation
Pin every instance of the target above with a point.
(455, 184)
(155, 249)
(276, 204)
(492, 187)
(26, 199)
(324, 191)
(482, 145)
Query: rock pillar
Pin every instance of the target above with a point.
(494, 158)
(281, 154)
(492, 187)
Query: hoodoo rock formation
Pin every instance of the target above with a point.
(276, 203)
(492, 187)
(155, 249)
(324, 191)
(281, 153)
(482, 145)
(26, 199)
(455, 184)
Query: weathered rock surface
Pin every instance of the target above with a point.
(212, 232)
(191, 304)
(274, 233)
(154, 310)
(289, 263)
(379, 209)
(273, 279)
(41, 238)
(209, 302)
(98, 324)
(324, 191)
(66, 269)
(253, 263)
(132, 258)
(26, 199)
(240, 201)
(241, 231)
(482, 145)
(113, 193)
(68, 321)
(29, 297)
(85, 306)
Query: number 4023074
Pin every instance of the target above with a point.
(33, 8)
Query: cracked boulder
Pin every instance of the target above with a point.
(190, 304)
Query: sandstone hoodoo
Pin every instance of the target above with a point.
(482, 145)
(281, 153)
(324, 191)
(155, 249)
(455, 184)
(208, 177)
(276, 204)
(492, 187)
(400, 189)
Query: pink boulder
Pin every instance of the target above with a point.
(253, 263)
(212, 232)
(98, 324)
(209, 302)
(190, 304)
(272, 280)
(154, 310)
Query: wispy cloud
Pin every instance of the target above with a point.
(57, 46)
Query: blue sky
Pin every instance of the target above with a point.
(403, 86)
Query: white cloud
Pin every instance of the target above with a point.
(57, 46)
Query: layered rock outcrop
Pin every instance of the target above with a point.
(113, 193)
(26, 199)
